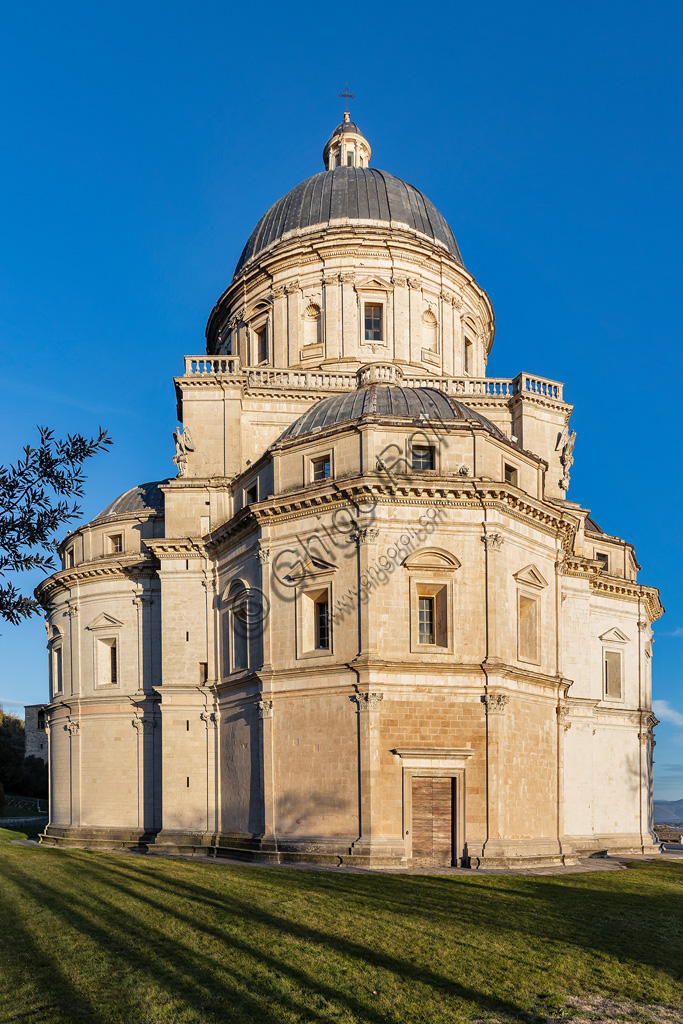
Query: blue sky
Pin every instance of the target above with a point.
(141, 143)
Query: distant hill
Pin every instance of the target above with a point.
(669, 812)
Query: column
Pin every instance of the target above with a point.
(370, 843)
(496, 706)
(349, 318)
(265, 713)
(401, 312)
(279, 326)
(293, 293)
(331, 313)
(415, 294)
(210, 720)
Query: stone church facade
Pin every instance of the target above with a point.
(363, 624)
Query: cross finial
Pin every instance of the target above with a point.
(346, 95)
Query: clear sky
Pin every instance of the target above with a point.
(142, 141)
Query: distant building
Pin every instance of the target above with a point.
(34, 731)
(363, 623)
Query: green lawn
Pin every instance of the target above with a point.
(103, 939)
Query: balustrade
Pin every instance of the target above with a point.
(348, 380)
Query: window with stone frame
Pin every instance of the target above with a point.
(469, 356)
(603, 557)
(528, 631)
(314, 620)
(373, 321)
(321, 468)
(262, 344)
(56, 665)
(432, 615)
(422, 457)
(612, 674)
(321, 617)
(238, 610)
(106, 661)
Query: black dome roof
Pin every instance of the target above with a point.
(346, 126)
(143, 498)
(350, 193)
(386, 401)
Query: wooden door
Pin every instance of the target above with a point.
(432, 826)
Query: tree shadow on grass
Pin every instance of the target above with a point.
(235, 976)
(620, 917)
(47, 979)
(598, 913)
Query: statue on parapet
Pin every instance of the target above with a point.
(183, 445)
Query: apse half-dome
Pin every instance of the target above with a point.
(346, 194)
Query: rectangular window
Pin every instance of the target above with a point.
(240, 637)
(70, 558)
(203, 672)
(426, 620)
(263, 345)
(468, 356)
(349, 159)
(510, 475)
(528, 628)
(422, 456)
(322, 623)
(57, 670)
(251, 495)
(373, 321)
(322, 468)
(613, 688)
(113, 666)
(116, 541)
(604, 558)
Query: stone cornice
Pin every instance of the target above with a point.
(444, 492)
(177, 547)
(124, 567)
(629, 590)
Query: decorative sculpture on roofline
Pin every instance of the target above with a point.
(566, 442)
(183, 445)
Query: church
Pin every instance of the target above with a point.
(362, 623)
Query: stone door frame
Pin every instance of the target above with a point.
(436, 763)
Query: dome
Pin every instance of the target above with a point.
(143, 498)
(386, 401)
(346, 126)
(350, 193)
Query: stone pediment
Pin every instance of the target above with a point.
(531, 576)
(374, 284)
(310, 568)
(614, 636)
(104, 621)
(432, 558)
